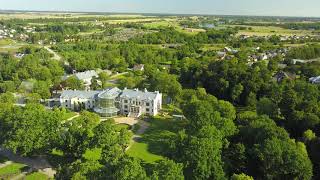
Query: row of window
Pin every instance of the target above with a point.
(126, 109)
(136, 102)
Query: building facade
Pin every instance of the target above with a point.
(112, 102)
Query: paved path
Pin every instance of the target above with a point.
(137, 136)
(7, 163)
(143, 127)
(55, 55)
(126, 120)
(38, 163)
(70, 119)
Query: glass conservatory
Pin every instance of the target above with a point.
(106, 104)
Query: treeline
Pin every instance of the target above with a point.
(92, 55)
(171, 36)
(304, 52)
(66, 18)
(302, 26)
(65, 28)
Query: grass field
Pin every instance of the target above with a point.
(269, 30)
(36, 176)
(8, 45)
(213, 47)
(153, 145)
(35, 15)
(172, 23)
(159, 24)
(140, 150)
(131, 20)
(69, 114)
(11, 170)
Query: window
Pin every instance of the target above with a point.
(147, 109)
(125, 101)
(66, 101)
(125, 106)
(147, 104)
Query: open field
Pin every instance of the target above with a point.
(35, 15)
(269, 30)
(213, 47)
(172, 23)
(8, 45)
(131, 20)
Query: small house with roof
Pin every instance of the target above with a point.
(281, 75)
(86, 77)
(138, 67)
(315, 80)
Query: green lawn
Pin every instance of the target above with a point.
(11, 170)
(4, 42)
(92, 154)
(153, 144)
(140, 150)
(36, 176)
(69, 114)
(122, 126)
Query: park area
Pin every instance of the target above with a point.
(10, 170)
(151, 145)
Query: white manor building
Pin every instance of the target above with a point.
(111, 102)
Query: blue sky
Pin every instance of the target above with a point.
(228, 7)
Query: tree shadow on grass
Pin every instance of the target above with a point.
(158, 142)
(3, 159)
(58, 160)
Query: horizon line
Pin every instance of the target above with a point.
(154, 13)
